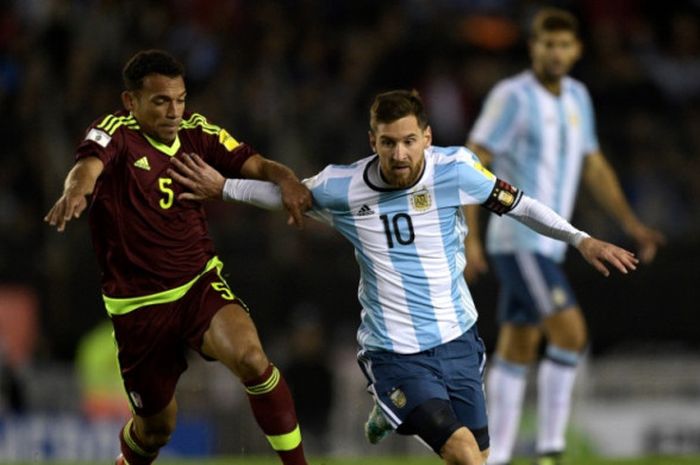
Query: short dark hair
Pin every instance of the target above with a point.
(396, 104)
(553, 19)
(148, 62)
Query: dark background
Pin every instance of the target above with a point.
(295, 79)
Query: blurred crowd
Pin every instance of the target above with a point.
(294, 78)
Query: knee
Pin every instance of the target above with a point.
(572, 338)
(518, 350)
(461, 449)
(251, 362)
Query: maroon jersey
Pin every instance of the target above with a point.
(146, 240)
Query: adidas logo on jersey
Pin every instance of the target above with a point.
(143, 164)
(364, 210)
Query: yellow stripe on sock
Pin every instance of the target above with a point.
(265, 386)
(132, 444)
(284, 442)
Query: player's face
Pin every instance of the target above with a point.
(158, 106)
(553, 53)
(400, 147)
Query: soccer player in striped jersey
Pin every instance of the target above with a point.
(537, 130)
(161, 279)
(401, 210)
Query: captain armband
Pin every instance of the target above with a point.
(503, 198)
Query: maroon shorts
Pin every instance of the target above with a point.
(152, 341)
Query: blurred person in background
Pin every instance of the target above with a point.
(401, 209)
(309, 375)
(537, 130)
(161, 279)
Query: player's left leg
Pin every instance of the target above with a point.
(463, 372)
(377, 427)
(437, 425)
(566, 336)
(461, 449)
(233, 339)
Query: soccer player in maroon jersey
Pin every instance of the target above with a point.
(161, 279)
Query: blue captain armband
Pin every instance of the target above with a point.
(503, 198)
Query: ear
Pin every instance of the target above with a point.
(428, 134)
(372, 140)
(128, 100)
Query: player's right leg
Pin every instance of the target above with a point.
(151, 359)
(516, 350)
(518, 340)
(142, 437)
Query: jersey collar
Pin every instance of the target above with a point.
(373, 176)
(169, 150)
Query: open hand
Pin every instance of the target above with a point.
(598, 253)
(69, 206)
(202, 181)
(648, 241)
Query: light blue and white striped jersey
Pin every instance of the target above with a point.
(539, 141)
(409, 244)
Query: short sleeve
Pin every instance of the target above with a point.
(497, 125)
(99, 141)
(475, 182)
(224, 152)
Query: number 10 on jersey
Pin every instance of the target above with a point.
(393, 230)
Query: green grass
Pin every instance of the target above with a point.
(395, 461)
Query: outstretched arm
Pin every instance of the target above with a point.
(206, 183)
(79, 183)
(546, 221)
(295, 196)
(600, 178)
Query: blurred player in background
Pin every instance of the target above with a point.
(401, 210)
(537, 130)
(161, 279)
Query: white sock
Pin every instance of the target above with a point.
(555, 384)
(505, 389)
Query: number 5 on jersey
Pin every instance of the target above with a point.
(167, 201)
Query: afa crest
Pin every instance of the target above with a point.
(421, 200)
(398, 398)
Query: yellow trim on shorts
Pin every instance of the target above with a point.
(288, 441)
(124, 305)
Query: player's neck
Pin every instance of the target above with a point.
(552, 85)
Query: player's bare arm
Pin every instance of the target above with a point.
(295, 196)
(476, 258)
(597, 253)
(602, 181)
(79, 183)
(484, 154)
(202, 181)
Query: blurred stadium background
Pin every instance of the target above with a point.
(294, 79)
